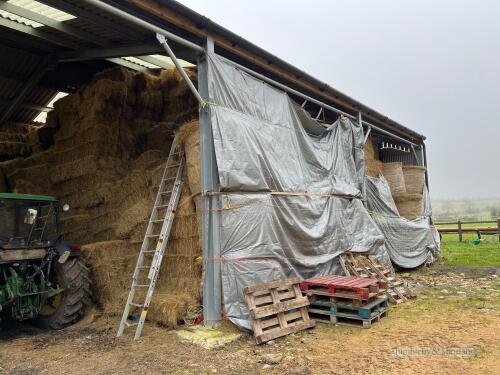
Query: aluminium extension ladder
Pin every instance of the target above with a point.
(154, 243)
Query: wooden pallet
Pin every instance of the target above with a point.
(363, 265)
(277, 309)
(342, 287)
(346, 319)
(364, 311)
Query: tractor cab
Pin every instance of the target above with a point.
(28, 221)
(41, 277)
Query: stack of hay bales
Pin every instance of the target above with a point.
(373, 165)
(407, 184)
(103, 151)
(14, 142)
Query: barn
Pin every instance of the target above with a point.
(283, 173)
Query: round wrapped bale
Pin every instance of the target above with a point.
(409, 205)
(414, 176)
(393, 173)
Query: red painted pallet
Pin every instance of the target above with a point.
(342, 286)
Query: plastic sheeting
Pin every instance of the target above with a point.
(410, 243)
(282, 175)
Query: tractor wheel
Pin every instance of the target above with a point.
(69, 307)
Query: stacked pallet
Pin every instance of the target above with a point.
(363, 265)
(345, 300)
(277, 309)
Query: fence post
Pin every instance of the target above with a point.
(498, 228)
(459, 230)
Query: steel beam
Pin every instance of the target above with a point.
(36, 76)
(104, 53)
(388, 133)
(34, 107)
(170, 53)
(424, 152)
(16, 40)
(212, 288)
(13, 25)
(367, 133)
(141, 23)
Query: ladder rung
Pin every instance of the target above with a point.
(169, 178)
(141, 286)
(143, 267)
(157, 221)
(130, 324)
(135, 304)
(162, 206)
(149, 251)
(173, 165)
(166, 192)
(152, 235)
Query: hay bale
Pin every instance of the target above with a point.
(149, 160)
(111, 267)
(414, 176)
(188, 138)
(10, 150)
(85, 166)
(409, 205)
(119, 74)
(12, 136)
(373, 166)
(132, 217)
(393, 173)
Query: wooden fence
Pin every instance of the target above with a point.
(460, 230)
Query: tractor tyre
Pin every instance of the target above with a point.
(70, 306)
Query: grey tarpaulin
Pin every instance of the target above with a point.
(268, 148)
(410, 243)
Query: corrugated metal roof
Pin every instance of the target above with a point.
(42, 9)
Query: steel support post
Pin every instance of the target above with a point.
(424, 152)
(367, 133)
(177, 64)
(212, 288)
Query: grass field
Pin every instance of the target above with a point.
(466, 253)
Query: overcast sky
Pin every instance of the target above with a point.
(433, 66)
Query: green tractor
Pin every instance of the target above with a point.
(42, 278)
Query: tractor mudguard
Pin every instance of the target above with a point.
(62, 246)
